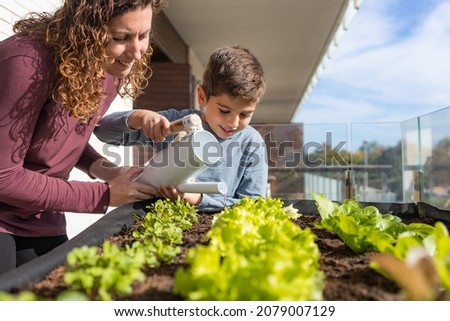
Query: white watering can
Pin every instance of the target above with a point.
(189, 153)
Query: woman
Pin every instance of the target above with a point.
(60, 73)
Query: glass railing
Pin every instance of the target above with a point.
(305, 158)
(427, 158)
(374, 162)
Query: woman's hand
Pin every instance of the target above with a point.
(123, 189)
(155, 126)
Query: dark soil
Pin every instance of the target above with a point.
(348, 275)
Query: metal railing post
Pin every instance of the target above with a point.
(349, 183)
(418, 186)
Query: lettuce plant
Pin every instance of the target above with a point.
(424, 273)
(104, 276)
(365, 228)
(108, 273)
(255, 252)
(442, 254)
(161, 231)
(426, 277)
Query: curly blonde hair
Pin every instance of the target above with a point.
(78, 33)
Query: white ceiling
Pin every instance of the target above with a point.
(289, 37)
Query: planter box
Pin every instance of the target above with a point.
(119, 220)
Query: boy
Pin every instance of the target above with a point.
(233, 85)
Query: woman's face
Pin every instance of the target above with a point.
(130, 37)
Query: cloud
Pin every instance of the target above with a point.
(391, 65)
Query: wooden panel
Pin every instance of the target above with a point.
(284, 144)
(171, 86)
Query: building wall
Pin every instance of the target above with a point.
(13, 10)
(284, 144)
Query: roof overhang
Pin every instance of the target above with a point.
(291, 38)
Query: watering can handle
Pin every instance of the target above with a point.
(187, 123)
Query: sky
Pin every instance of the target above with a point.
(392, 65)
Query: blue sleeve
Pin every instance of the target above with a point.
(113, 128)
(253, 182)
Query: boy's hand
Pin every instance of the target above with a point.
(172, 193)
(155, 126)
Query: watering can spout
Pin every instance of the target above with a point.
(203, 187)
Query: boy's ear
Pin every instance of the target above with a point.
(201, 96)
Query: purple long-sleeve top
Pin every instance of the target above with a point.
(41, 144)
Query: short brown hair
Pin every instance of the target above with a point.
(234, 71)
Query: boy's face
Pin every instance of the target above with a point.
(224, 114)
